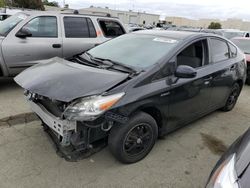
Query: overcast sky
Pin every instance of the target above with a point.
(221, 9)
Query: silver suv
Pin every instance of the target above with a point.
(27, 37)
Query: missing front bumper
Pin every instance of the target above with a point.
(72, 141)
(71, 153)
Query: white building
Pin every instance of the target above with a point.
(125, 16)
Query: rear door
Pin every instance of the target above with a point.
(224, 67)
(79, 34)
(45, 42)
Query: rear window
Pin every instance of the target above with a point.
(78, 27)
(111, 28)
(233, 50)
(219, 50)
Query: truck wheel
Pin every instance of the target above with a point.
(132, 142)
(232, 99)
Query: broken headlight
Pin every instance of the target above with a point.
(89, 108)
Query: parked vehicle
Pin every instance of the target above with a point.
(233, 169)
(133, 89)
(231, 33)
(4, 16)
(133, 29)
(244, 44)
(28, 37)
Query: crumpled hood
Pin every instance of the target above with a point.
(63, 80)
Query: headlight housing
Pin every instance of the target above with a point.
(89, 108)
(225, 175)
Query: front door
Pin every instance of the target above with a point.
(190, 98)
(45, 43)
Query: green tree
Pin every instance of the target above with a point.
(52, 3)
(30, 4)
(2, 3)
(214, 25)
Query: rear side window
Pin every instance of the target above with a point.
(233, 50)
(219, 50)
(111, 28)
(43, 26)
(78, 27)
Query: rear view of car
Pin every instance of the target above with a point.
(244, 45)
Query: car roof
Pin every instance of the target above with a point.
(63, 13)
(4, 14)
(180, 35)
(240, 38)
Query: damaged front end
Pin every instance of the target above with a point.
(77, 129)
(71, 101)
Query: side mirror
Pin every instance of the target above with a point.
(184, 71)
(23, 33)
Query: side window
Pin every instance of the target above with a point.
(233, 51)
(194, 55)
(43, 26)
(78, 27)
(111, 28)
(219, 50)
(92, 31)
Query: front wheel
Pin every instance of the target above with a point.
(233, 97)
(131, 142)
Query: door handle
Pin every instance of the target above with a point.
(56, 45)
(208, 79)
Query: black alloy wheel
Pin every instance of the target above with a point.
(138, 139)
(233, 97)
(132, 141)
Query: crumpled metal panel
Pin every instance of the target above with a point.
(63, 80)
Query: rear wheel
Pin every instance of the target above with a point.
(132, 142)
(233, 97)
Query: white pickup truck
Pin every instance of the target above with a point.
(27, 37)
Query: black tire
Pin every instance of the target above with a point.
(233, 97)
(132, 142)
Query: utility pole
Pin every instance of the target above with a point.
(63, 3)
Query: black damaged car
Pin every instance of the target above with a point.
(131, 90)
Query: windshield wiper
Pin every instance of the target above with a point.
(113, 64)
(81, 59)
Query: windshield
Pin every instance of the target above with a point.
(134, 50)
(243, 44)
(7, 25)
